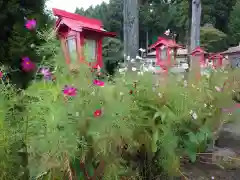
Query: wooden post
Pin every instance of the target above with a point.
(131, 28)
(195, 33)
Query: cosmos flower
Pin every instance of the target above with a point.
(46, 73)
(193, 114)
(1, 75)
(97, 113)
(69, 91)
(167, 32)
(134, 69)
(98, 83)
(142, 50)
(218, 89)
(27, 64)
(31, 24)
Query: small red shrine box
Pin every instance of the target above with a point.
(163, 48)
(81, 38)
(217, 60)
(199, 54)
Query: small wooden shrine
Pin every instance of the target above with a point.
(81, 38)
(199, 54)
(166, 50)
(217, 60)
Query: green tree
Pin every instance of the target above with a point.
(212, 39)
(16, 39)
(112, 54)
(110, 14)
(234, 24)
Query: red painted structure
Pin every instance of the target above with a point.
(217, 59)
(163, 49)
(199, 53)
(79, 34)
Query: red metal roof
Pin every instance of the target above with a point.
(77, 22)
(216, 55)
(165, 42)
(198, 50)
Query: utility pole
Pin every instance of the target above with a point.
(131, 28)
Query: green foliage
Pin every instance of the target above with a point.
(112, 54)
(234, 24)
(212, 39)
(151, 127)
(16, 40)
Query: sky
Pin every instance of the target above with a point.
(71, 5)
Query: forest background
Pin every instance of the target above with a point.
(220, 28)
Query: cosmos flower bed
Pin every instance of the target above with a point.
(74, 125)
(130, 128)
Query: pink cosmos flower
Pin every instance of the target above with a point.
(98, 83)
(1, 75)
(218, 89)
(27, 64)
(31, 24)
(69, 91)
(46, 73)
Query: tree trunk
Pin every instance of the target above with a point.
(195, 35)
(188, 33)
(196, 20)
(131, 28)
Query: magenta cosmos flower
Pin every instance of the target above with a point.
(98, 82)
(69, 91)
(31, 24)
(27, 64)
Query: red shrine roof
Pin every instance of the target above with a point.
(215, 55)
(78, 23)
(166, 42)
(198, 50)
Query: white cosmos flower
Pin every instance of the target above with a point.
(191, 112)
(121, 70)
(185, 83)
(185, 66)
(32, 45)
(138, 57)
(134, 69)
(167, 32)
(194, 116)
(160, 95)
(142, 50)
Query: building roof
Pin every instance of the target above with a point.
(77, 22)
(165, 42)
(198, 50)
(215, 55)
(232, 50)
